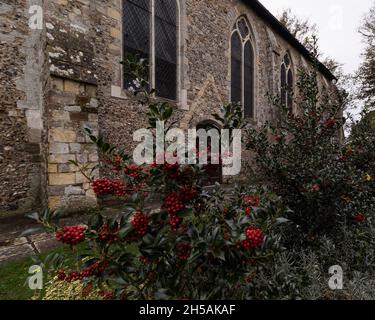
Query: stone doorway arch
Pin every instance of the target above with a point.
(214, 172)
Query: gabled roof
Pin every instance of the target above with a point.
(263, 12)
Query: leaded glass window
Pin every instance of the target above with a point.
(242, 67)
(236, 68)
(248, 79)
(136, 25)
(150, 30)
(286, 82)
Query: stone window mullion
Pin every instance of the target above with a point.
(152, 44)
(243, 76)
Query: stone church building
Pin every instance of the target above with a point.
(60, 72)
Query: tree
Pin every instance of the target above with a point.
(366, 72)
(306, 32)
(303, 30)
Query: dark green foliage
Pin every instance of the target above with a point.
(316, 211)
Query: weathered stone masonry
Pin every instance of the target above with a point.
(22, 108)
(57, 81)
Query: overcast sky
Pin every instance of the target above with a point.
(338, 22)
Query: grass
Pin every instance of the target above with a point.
(13, 279)
(14, 275)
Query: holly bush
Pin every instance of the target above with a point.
(313, 209)
(361, 143)
(199, 244)
(304, 159)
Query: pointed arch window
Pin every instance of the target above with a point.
(242, 67)
(213, 169)
(151, 32)
(286, 82)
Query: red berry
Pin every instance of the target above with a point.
(61, 275)
(72, 235)
(152, 275)
(315, 188)
(144, 260)
(107, 235)
(251, 201)
(175, 223)
(103, 187)
(254, 239)
(360, 217)
(183, 251)
(248, 211)
(140, 224)
(175, 202)
(172, 170)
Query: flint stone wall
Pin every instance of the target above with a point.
(66, 77)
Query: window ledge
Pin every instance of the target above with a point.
(120, 93)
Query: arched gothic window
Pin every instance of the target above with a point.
(287, 82)
(150, 31)
(242, 67)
